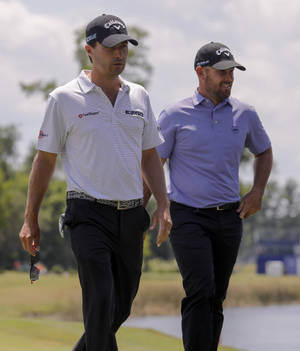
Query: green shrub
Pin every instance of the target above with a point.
(159, 265)
(57, 269)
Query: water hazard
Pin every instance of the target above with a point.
(272, 328)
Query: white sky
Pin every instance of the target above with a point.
(37, 42)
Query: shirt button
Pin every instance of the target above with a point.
(216, 121)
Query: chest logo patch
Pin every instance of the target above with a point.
(134, 113)
(81, 115)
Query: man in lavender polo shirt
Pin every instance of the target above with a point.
(205, 136)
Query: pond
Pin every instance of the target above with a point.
(271, 328)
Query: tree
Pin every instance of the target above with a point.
(8, 137)
(13, 192)
(12, 205)
(278, 219)
(137, 70)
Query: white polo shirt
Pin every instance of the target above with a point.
(100, 144)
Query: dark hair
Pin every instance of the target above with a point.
(92, 44)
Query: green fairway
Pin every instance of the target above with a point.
(48, 335)
(46, 316)
(34, 335)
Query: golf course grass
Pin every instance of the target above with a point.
(49, 335)
(46, 316)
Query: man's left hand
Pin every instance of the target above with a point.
(250, 204)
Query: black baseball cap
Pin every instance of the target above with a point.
(216, 55)
(108, 30)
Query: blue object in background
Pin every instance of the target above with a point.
(277, 250)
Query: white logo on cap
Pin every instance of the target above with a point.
(91, 37)
(225, 50)
(202, 63)
(115, 23)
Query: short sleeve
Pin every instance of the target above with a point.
(53, 132)
(168, 130)
(257, 139)
(151, 135)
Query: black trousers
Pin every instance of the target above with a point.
(108, 246)
(205, 244)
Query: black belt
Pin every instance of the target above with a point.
(119, 204)
(228, 206)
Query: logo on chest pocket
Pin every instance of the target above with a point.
(133, 119)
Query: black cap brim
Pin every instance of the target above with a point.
(116, 39)
(226, 64)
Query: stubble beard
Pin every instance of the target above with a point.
(223, 94)
(217, 93)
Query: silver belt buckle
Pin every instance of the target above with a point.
(219, 208)
(119, 205)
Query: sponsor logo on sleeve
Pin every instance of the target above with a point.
(42, 134)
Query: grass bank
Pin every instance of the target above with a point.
(49, 335)
(250, 289)
(34, 335)
(59, 296)
(162, 293)
(38, 317)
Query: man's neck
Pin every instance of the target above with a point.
(104, 82)
(109, 85)
(214, 101)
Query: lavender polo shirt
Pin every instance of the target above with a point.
(204, 144)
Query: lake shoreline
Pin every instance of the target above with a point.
(275, 327)
(161, 293)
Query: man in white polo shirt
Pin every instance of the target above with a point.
(105, 130)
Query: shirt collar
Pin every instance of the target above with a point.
(124, 84)
(86, 85)
(199, 99)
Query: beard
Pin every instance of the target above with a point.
(218, 92)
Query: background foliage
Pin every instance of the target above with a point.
(279, 217)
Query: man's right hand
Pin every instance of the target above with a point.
(162, 217)
(30, 237)
(42, 169)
